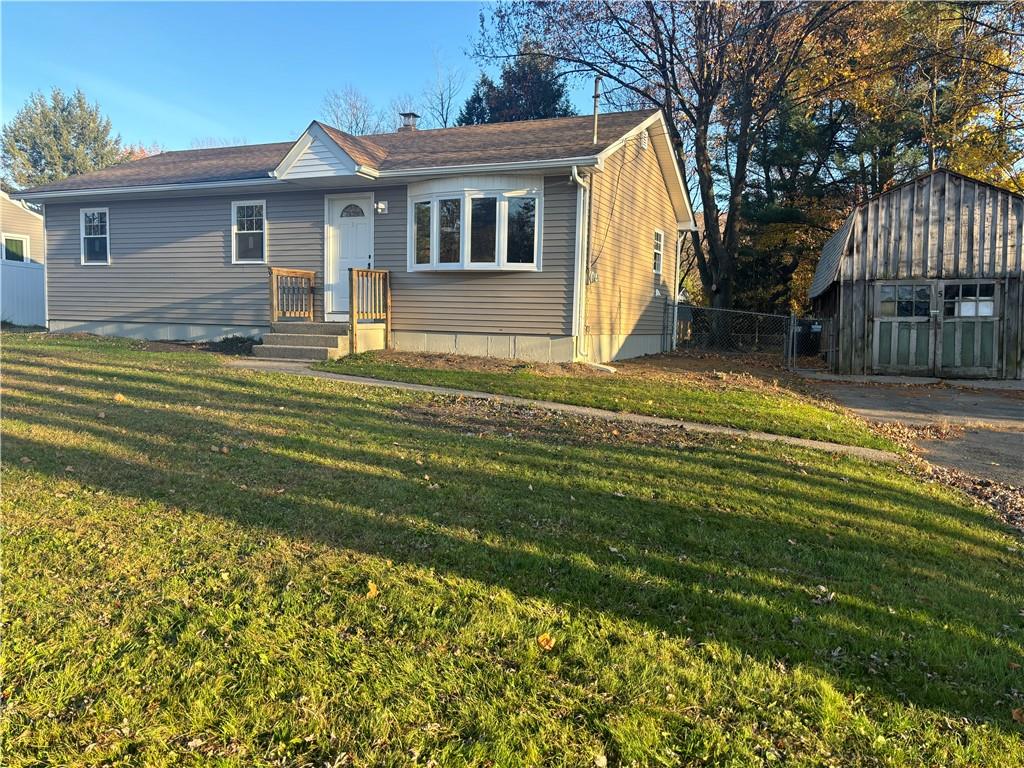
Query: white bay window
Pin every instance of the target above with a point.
(463, 224)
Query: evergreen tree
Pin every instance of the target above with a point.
(530, 88)
(51, 139)
(475, 111)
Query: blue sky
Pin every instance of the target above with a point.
(172, 73)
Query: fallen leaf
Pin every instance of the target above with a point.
(371, 591)
(101, 415)
(1018, 714)
(546, 642)
(1013, 665)
(119, 398)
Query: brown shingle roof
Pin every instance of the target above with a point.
(188, 166)
(525, 141)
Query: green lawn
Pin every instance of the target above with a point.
(736, 403)
(189, 551)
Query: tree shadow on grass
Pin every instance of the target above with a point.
(707, 539)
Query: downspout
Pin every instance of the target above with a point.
(582, 264)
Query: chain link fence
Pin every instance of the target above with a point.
(787, 340)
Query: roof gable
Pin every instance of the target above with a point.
(316, 154)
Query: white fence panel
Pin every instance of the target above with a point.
(22, 292)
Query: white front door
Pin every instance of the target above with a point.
(349, 245)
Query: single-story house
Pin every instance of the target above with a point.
(925, 279)
(550, 240)
(22, 263)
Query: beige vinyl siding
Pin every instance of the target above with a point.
(15, 220)
(629, 201)
(487, 302)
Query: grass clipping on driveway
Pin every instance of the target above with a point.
(210, 566)
(729, 400)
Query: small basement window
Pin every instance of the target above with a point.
(248, 232)
(15, 248)
(95, 235)
(459, 227)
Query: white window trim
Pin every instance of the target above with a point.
(5, 236)
(659, 266)
(81, 236)
(501, 236)
(234, 231)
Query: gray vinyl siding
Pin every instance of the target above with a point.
(171, 263)
(487, 302)
(15, 220)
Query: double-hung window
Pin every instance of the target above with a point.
(15, 248)
(95, 235)
(659, 251)
(475, 229)
(248, 232)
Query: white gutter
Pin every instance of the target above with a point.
(61, 193)
(362, 171)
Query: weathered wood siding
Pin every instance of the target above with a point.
(940, 227)
(943, 225)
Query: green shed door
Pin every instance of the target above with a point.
(904, 332)
(969, 329)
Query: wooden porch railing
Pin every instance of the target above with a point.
(291, 293)
(369, 299)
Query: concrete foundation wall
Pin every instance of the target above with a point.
(156, 331)
(539, 349)
(601, 349)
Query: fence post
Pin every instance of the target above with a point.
(791, 347)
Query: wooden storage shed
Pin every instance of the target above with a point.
(925, 280)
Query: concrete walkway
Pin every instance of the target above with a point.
(302, 369)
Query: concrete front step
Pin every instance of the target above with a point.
(274, 352)
(304, 340)
(313, 329)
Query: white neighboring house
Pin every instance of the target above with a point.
(22, 264)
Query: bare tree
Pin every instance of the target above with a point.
(442, 96)
(718, 71)
(350, 110)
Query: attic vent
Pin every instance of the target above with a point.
(645, 139)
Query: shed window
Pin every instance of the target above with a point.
(248, 232)
(95, 235)
(16, 248)
(905, 300)
(969, 300)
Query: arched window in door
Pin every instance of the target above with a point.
(352, 211)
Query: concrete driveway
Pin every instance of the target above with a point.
(992, 443)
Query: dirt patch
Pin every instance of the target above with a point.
(437, 362)
(231, 345)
